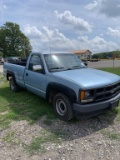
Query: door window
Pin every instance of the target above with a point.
(35, 60)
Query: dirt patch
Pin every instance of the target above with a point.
(3, 113)
(1, 68)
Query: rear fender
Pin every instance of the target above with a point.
(9, 75)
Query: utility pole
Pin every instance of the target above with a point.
(50, 45)
(24, 48)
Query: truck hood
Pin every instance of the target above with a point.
(88, 77)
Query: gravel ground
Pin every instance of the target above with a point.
(87, 139)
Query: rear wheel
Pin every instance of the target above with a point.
(13, 86)
(63, 107)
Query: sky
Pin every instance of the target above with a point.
(64, 25)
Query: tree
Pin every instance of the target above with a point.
(1, 54)
(96, 56)
(13, 42)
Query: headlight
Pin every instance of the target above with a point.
(86, 96)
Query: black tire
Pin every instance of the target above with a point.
(13, 86)
(63, 107)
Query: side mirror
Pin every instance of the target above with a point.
(85, 62)
(37, 67)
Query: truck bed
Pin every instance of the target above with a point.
(16, 68)
(21, 61)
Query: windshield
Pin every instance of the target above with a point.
(61, 62)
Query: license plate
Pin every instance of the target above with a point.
(114, 104)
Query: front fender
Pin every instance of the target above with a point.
(63, 89)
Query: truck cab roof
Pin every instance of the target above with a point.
(54, 52)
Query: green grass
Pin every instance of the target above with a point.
(21, 106)
(37, 143)
(10, 138)
(111, 135)
(114, 136)
(111, 70)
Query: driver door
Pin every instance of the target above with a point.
(35, 81)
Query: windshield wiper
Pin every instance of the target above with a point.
(56, 68)
(76, 67)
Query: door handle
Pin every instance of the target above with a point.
(26, 74)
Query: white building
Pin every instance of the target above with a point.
(83, 54)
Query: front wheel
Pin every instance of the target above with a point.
(63, 107)
(13, 86)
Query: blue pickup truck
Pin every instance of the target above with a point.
(62, 78)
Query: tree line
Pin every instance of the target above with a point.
(107, 55)
(13, 42)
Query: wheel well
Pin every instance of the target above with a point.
(55, 88)
(51, 94)
(9, 76)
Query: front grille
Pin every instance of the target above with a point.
(107, 92)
